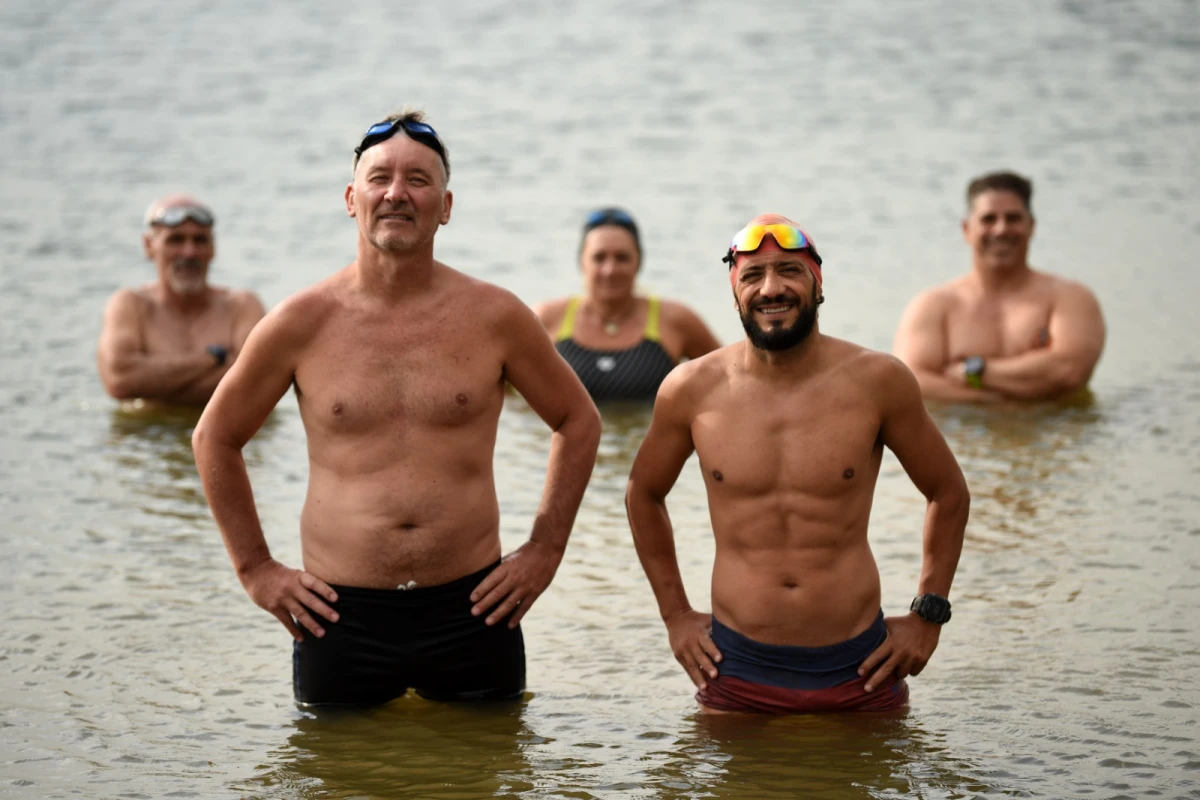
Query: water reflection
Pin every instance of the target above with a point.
(150, 456)
(624, 429)
(408, 748)
(830, 756)
(1025, 465)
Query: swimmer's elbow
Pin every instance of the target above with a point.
(640, 494)
(584, 424)
(953, 497)
(1072, 375)
(206, 441)
(119, 389)
(200, 439)
(120, 384)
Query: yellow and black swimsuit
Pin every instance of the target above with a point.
(632, 374)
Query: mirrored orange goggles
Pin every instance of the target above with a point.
(750, 238)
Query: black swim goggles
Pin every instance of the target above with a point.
(171, 216)
(608, 216)
(417, 131)
(612, 216)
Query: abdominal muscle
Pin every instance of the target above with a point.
(397, 526)
(794, 594)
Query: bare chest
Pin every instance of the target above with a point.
(165, 332)
(373, 378)
(993, 328)
(824, 444)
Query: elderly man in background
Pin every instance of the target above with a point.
(172, 340)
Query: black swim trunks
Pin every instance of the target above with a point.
(388, 641)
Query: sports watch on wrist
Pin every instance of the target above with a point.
(219, 354)
(973, 369)
(931, 608)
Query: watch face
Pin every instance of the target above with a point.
(932, 608)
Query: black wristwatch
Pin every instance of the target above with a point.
(931, 608)
(219, 354)
(973, 369)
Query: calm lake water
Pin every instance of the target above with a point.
(132, 665)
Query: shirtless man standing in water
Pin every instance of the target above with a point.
(790, 427)
(399, 364)
(1003, 330)
(173, 340)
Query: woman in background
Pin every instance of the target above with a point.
(620, 345)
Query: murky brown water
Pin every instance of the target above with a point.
(133, 666)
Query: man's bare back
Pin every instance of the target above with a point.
(790, 427)
(1004, 330)
(171, 341)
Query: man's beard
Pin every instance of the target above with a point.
(780, 338)
(191, 279)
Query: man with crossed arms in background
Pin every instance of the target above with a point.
(1004, 330)
(173, 340)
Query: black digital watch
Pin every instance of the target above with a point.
(931, 608)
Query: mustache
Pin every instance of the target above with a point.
(788, 297)
(187, 263)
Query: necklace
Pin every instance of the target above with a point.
(613, 326)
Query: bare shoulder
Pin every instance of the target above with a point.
(494, 303)
(237, 301)
(1068, 289)
(552, 312)
(245, 301)
(694, 380)
(304, 312)
(935, 301)
(875, 371)
(127, 302)
(676, 313)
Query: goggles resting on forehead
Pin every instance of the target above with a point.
(750, 238)
(417, 131)
(608, 216)
(172, 216)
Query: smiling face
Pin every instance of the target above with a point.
(609, 259)
(399, 195)
(182, 255)
(776, 295)
(998, 229)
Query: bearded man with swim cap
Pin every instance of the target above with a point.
(789, 426)
(399, 364)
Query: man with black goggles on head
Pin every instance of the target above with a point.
(171, 341)
(399, 365)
